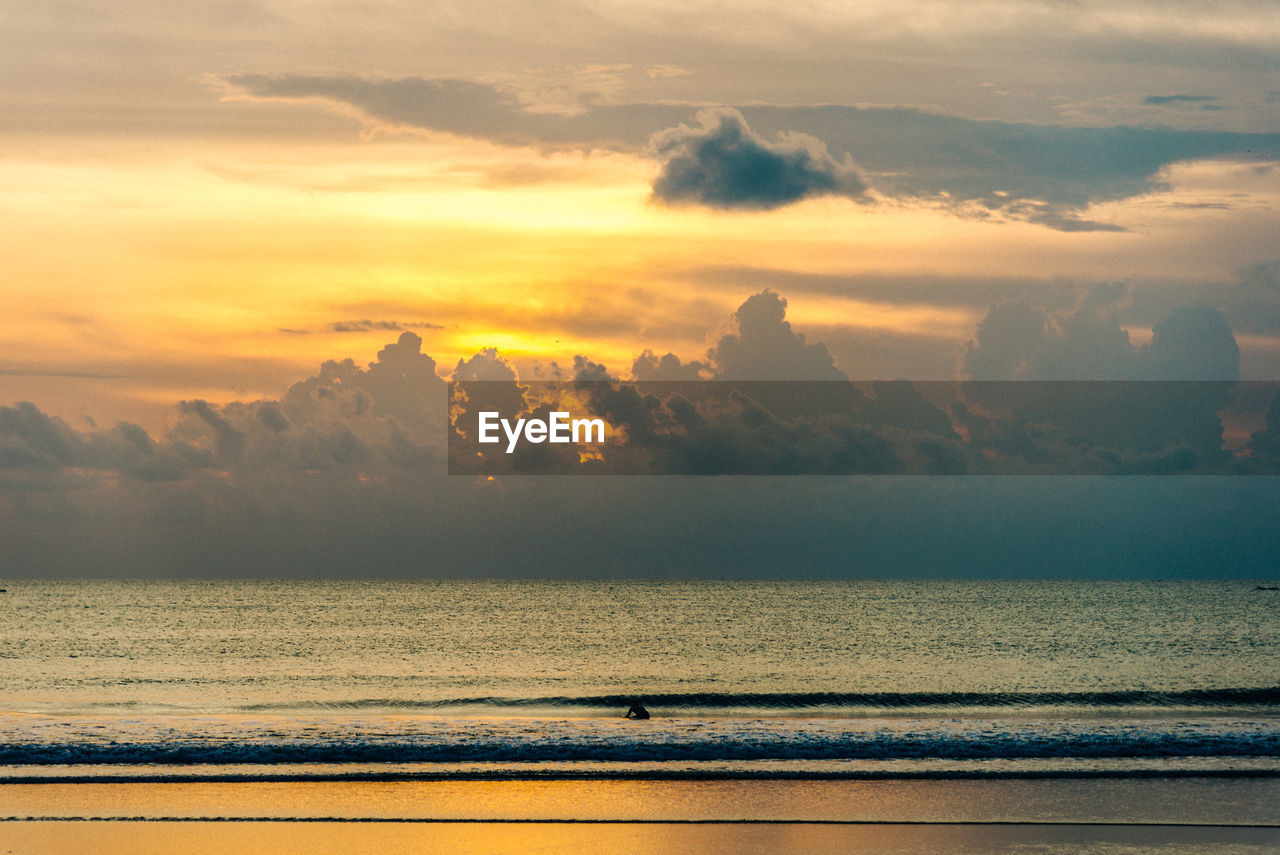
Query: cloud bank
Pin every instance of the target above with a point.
(766, 156)
(345, 474)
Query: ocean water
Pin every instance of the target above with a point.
(260, 680)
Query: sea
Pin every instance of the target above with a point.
(335, 680)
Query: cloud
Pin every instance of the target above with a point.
(648, 366)
(367, 325)
(1253, 304)
(40, 372)
(229, 442)
(1064, 222)
(1178, 99)
(1019, 341)
(764, 347)
(1185, 375)
(1007, 341)
(1041, 173)
(402, 383)
(388, 416)
(488, 364)
(39, 450)
(1193, 343)
(722, 164)
(345, 474)
(586, 371)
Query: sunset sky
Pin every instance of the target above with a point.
(204, 204)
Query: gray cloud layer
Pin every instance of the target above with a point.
(1041, 173)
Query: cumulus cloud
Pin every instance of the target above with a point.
(1253, 304)
(1018, 341)
(37, 450)
(345, 474)
(401, 383)
(668, 422)
(763, 346)
(1170, 417)
(488, 364)
(649, 366)
(1193, 343)
(721, 163)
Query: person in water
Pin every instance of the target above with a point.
(637, 711)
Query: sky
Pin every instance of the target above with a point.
(247, 243)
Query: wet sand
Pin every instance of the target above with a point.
(1123, 817)
(310, 838)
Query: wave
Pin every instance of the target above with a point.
(718, 701)
(644, 743)
(614, 773)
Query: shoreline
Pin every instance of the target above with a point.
(1184, 802)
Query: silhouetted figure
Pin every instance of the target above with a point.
(637, 711)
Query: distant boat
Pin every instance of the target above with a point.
(1267, 588)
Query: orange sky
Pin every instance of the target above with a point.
(165, 231)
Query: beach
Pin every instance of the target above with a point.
(488, 717)
(1193, 815)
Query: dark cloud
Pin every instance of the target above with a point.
(1003, 166)
(1175, 404)
(995, 167)
(648, 366)
(764, 347)
(1253, 304)
(228, 442)
(466, 108)
(485, 365)
(35, 444)
(882, 353)
(29, 439)
(1266, 442)
(345, 474)
(1008, 340)
(885, 427)
(402, 383)
(497, 388)
(1163, 416)
(1017, 341)
(586, 371)
(1178, 99)
(1193, 343)
(367, 325)
(386, 416)
(1064, 222)
(722, 164)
